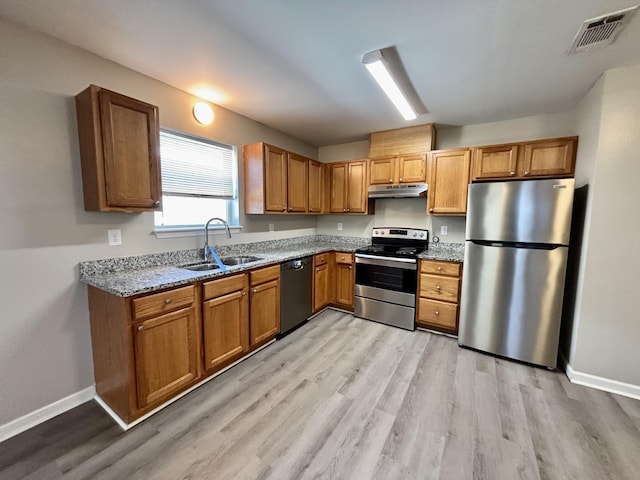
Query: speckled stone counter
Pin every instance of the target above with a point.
(128, 276)
(452, 252)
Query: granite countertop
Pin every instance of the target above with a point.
(129, 276)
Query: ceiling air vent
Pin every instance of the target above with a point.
(601, 31)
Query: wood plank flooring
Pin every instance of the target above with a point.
(343, 398)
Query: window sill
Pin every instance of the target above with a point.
(175, 232)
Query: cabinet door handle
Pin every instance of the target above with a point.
(167, 301)
(391, 180)
(156, 203)
(254, 290)
(400, 179)
(311, 209)
(348, 210)
(140, 328)
(283, 210)
(526, 173)
(350, 267)
(344, 209)
(512, 173)
(244, 293)
(290, 208)
(431, 210)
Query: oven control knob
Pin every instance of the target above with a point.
(421, 234)
(375, 232)
(415, 234)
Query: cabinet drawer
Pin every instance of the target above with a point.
(439, 314)
(436, 267)
(163, 302)
(320, 259)
(438, 287)
(223, 286)
(342, 257)
(264, 275)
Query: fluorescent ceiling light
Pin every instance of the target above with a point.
(379, 69)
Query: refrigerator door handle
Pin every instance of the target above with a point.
(534, 246)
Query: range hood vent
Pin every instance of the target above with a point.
(601, 31)
(398, 191)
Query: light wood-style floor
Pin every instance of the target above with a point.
(349, 399)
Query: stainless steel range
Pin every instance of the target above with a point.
(387, 276)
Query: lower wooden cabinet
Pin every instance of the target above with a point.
(344, 280)
(264, 308)
(438, 302)
(166, 355)
(225, 321)
(321, 281)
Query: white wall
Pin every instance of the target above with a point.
(45, 347)
(607, 330)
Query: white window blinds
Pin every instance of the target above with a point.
(196, 167)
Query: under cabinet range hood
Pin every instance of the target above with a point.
(398, 191)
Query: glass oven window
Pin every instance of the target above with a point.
(388, 278)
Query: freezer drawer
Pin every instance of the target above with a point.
(511, 301)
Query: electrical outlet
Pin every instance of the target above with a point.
(115, 237)
(339, 226)
(271, 227)
(444, 230)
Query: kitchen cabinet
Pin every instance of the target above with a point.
(321, 281)
(349, 188)
(402, 141)
(119, 141)
(448, 181)
(316, 187)
(277, 181)
(297, 183)
(225, 321)
(145, 348)
(439, 295)
(551, 158)
(398, 169)
(344, 280)
(264, 307)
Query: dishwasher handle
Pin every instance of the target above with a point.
(297, 264)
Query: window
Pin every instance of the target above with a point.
(199, 181)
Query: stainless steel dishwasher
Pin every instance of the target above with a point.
(296, 283)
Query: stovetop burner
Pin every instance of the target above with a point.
(398, 242)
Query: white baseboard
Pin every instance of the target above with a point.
(45, 413)
(601, 383)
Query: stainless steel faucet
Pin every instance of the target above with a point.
(206, 234)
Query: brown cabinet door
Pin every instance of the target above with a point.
(412, 168)
(320, 287)
(225, 323)
(338, 175)
(553, 158)
(448, 181)
(130, 144)
(297, 184)
(315, 187)
(165, 355)
(357, 187)
(275, 177)
(495, 162)
(344, 285)
(382, 170)
(264, 312)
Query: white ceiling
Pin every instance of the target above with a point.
(295, 65)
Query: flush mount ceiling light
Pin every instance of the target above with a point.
(388, 80)
(203, 113)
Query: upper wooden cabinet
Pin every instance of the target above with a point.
(400, 169)
(402, 141)
(550, 158)
(278, 181)
(448, 181)
(120, 151)
(348, 185)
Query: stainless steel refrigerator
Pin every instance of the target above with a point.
(517, 238)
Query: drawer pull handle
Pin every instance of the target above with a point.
(438, 287)
(167, 301)
(437, 312)
(439, 269)
(244, 293)
(156, 203)
(254, 290)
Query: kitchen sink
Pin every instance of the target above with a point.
(230, 261)
(202, 267)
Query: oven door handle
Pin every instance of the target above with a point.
(393, 262)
